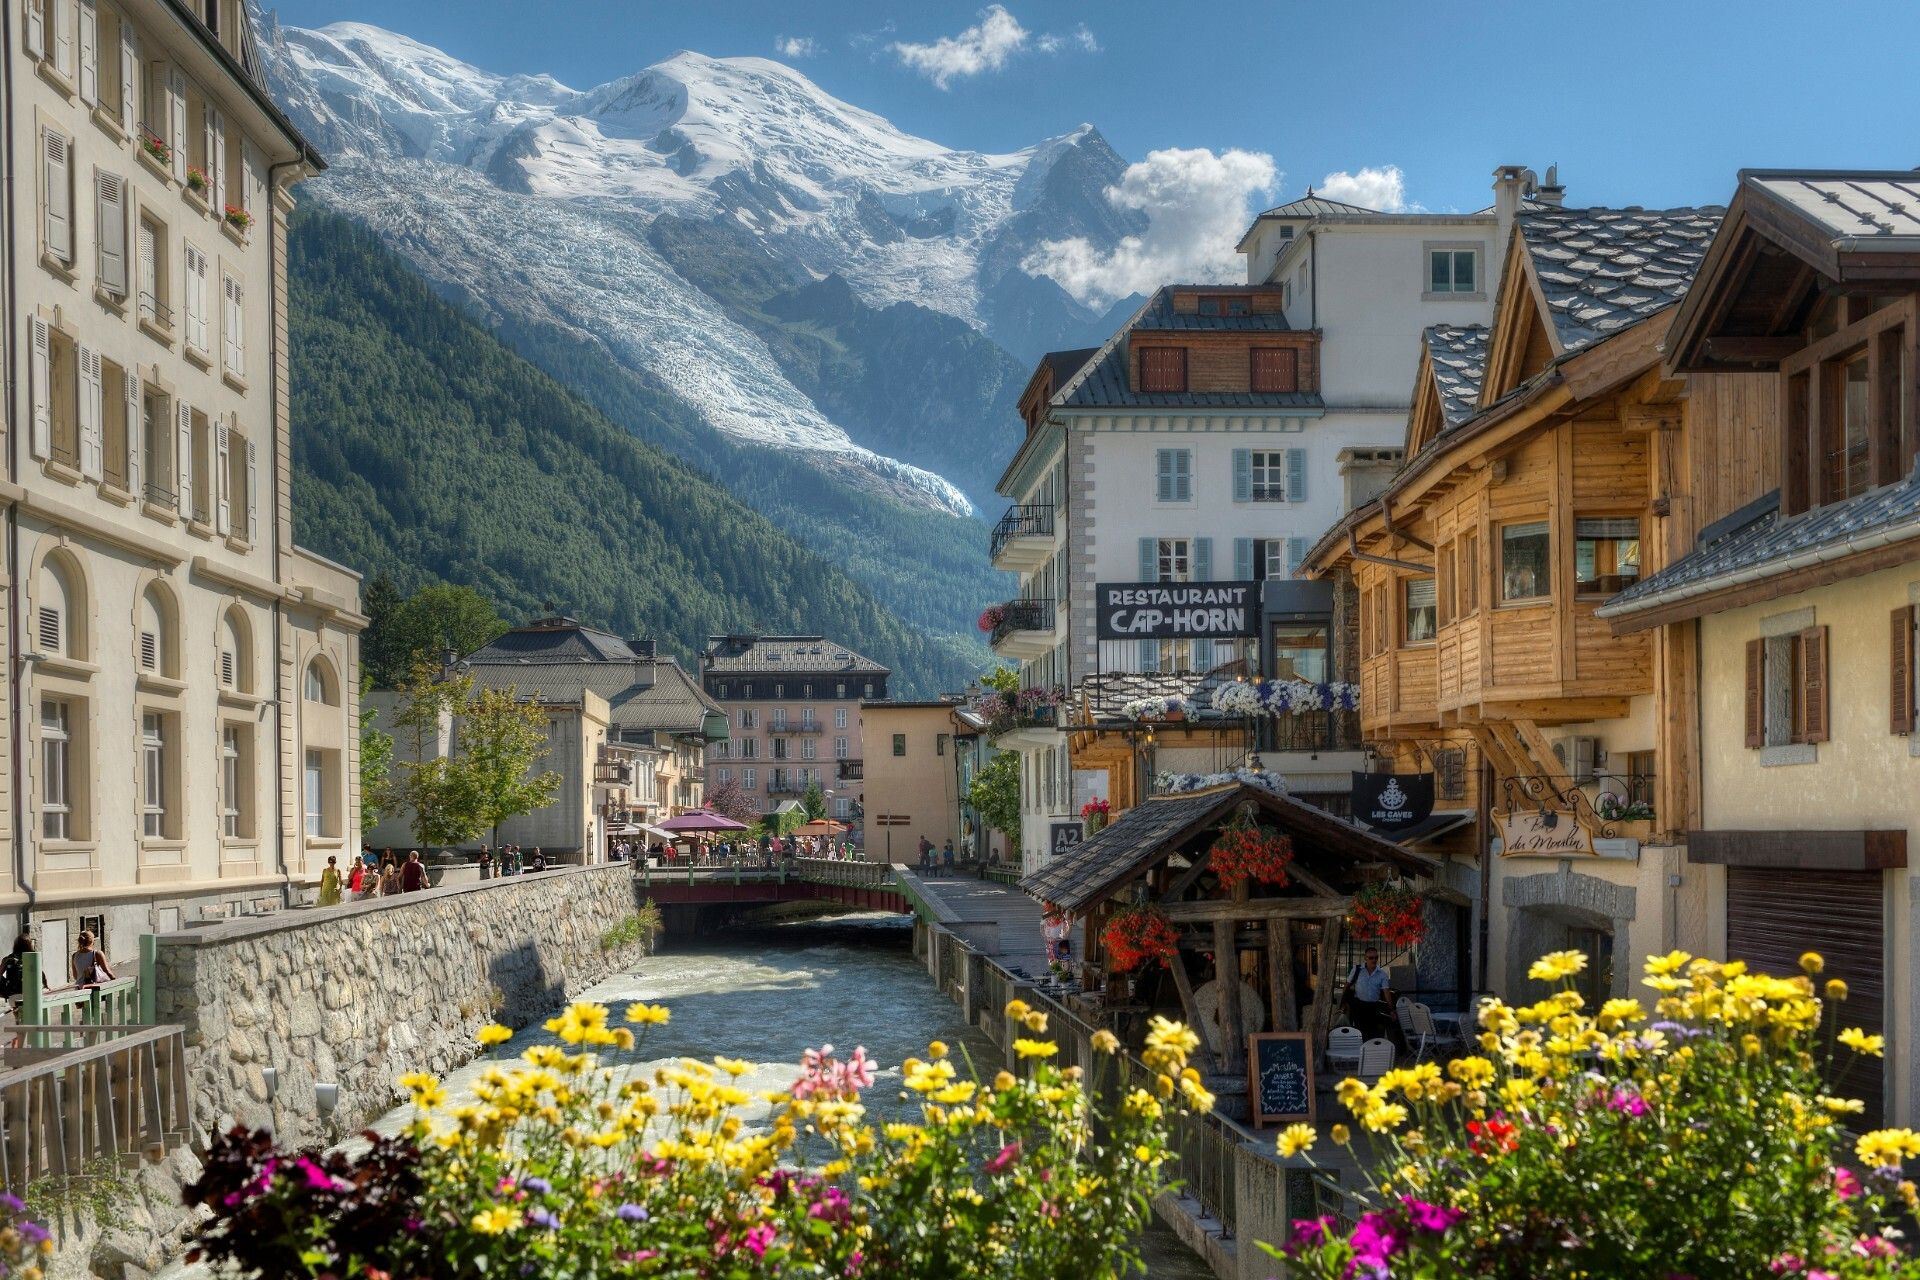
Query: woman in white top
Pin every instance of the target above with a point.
(89, 966)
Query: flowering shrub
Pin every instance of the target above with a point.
(566, 1166)
(156, 148)
(1700, 1141)
(1175, 783)
(196, 178)
(237, 218)
(1389, 910)
(24, 1243)
(1154, 708)
(1248, 852)
(992, 616)
(1136, 935)
(1284, 697)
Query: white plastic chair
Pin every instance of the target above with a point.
(1422, 1029)
(1376, 1059)
(1343, 1048)
(1403, 1014)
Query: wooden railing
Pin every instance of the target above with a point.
(125, 1001)
(95, 1093)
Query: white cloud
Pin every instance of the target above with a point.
(1196, 207)
(1081, 38)
(796, 46)
(1383, 189)
(985, 46)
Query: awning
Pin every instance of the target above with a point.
(1431, 827)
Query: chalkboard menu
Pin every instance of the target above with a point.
(1280, 1070)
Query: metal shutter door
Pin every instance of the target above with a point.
(1773, 915)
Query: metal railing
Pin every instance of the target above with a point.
(1031, 521)
(1023, 615)
(104, 1093)
(161, 493)
(1309, 731)
(850, 770)
(866, 875)
(155, 310)
(790, 727)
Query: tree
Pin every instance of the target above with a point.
(814, 802)
(1002, 679)
(430, 786)
(500, 740)
(729, 801)
(422, 627)
(995, 794)
(382, 660)
(376, 762)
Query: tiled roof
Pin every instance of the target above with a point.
(1603, 270)
(557, 658)
(1458, 353)
(1772, 543)
(559, 640)
(756, 655)
(1879, 207)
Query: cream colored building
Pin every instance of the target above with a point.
(912, 775)
(182, 680)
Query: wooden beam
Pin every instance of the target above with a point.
(1542, 752)
(1638, 419)
(1210, 909)
(1320, 1021)
(1286, 1002)
(1309, 881)
(1759, 353)
(1189, 1008)
(1185, 880)
(1226, 971)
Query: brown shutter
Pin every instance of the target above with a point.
(1900, 664)
(1756, 694)
(1813, 682)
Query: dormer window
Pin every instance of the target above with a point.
(1163, 369)
(1225, 304)
(1286, 231)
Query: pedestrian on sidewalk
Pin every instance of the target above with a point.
(947, 855)
(413, 876)
(389, 879)
(89, 966)
(926, 855)
(330, 883)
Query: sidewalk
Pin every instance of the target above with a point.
(972, 901)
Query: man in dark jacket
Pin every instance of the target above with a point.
(413, 875)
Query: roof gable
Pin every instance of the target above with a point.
(1453, 363)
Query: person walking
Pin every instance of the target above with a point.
(389, 880)
(947, 855)
(926, 855)
(356, 878)
(89, 967)
(330, 883)
(1369, 998)
(413, 876)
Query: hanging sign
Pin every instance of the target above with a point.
(1177, 610)
(1062, 836)
(1542, 833)
(1392, 801)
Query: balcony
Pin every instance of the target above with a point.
(614, 773)
(850, 770)
(786, 784)
(1023, 629)
(807, 727)
(1028, 717)
(1315, 751)
(1023, 539)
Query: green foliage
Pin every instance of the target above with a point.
(814, 802)
(402, 631)
(1002, 680)
(98, 1190)
(994, 794)
(376, 761)
(499, 740)
(426, 450)
(429, 785)
(642, 926)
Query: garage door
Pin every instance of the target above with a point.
(1774, 915)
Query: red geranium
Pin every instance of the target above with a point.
(1390, 911)
(1251, 853)
(1136, 935)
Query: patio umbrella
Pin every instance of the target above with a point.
(701, 820)
(821, 827)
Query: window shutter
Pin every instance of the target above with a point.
(136, 434)
(58, 168)
(217, 160)
(89, 53)
(207, 114)
(110, 216)
(90, 441)
(1203, 560)
(233, 311)
(183, 458)
(62, 36)
(1756, 694)
(222, 482)
(1243, 475)
(1813, 683)
(253, 492)
(129, 76)
(1163, 475)
(149, 300)
(1243, 559)
(177, 121)
(248, 167)
(36, 29)
(1182, 475)
(41, 375)
(1296, 556)
(1900, 660)
(1149, 650)
(1296, 475)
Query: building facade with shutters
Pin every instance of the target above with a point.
(1791, 597)
(183, 684)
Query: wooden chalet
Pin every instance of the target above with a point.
(1284, 943)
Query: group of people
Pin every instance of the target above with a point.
(372, 877)
(512, 860)
(86, 967)
(937, 861)
(767, 852)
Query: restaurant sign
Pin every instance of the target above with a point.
(1177, 610)
(1392, 801)
(1542, 833)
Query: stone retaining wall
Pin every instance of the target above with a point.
(360, 994)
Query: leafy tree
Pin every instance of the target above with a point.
(430, 786)
(729, 801)
(422, 627)
(1001, 680)
(382, 655)
(376, 761)
(814, 802)
(500, 740)
(995, 794)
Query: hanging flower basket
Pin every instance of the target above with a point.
(992, 616)
(1390, 911)
(1249, 852)
(1137, 935)
(1095, 813)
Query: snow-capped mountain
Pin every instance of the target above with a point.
(538, 203)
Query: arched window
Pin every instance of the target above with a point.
(53, 618)
(155, 642)
(235, 657)
(320, 684)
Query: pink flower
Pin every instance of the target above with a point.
(757, 1240)
(1845, 1184)
(1628, 1102)
(1436, 1218)
(1308, 1232)
(1874, 1247)
(1374, 1240)
(1786, 1264)
(1005, 1159)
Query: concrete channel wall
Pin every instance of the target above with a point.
(1233, 1192)
(360, 994)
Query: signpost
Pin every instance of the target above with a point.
(890, 821)
(1177, 610)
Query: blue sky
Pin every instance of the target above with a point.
(1639, 103)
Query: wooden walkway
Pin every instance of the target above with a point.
(977, 907)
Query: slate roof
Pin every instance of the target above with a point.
(1313, 206)
(1862, 209)
(1458, 353)
(757, 655)
(1103, 382)
(1772, 543)
(557, 658)
(559, 640)
(1603, 270)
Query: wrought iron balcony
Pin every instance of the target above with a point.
(850, 770)
(1032, 521)
(1022, 615)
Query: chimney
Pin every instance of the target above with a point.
(641, 648)
(1551, 192)
(1512, 183)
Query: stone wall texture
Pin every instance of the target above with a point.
(361, 994)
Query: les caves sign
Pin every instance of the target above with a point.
(1177, 610)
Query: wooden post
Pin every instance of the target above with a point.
(1321, 1020)
(32, 1014)
(1286, 1001)
(1184, 985)
(149, 979)
(1226, 970)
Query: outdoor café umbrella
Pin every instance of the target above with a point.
(821, 827)
(700, 820)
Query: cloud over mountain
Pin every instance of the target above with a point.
(985, 46)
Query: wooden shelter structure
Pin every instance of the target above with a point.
(1160, 853)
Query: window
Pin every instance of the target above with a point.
(869, 692)
(806, 716)
(233, 330)
(779, 746)
(56, 196)
(1450, 773)
(749, 718)
(1786, 694)
(1524, 566)
(750, 778)
(110, 231)
(56, 757)
(1224, 304)
(1163, 369)
(194, 307)
(1418, 612)
(806, 748)
(1172, 560)
(940, 743)
(63, 410)
(319, 684)
(56, 614)
(839, 717)
(1606, 554)
(724, 776)
(1453, 271)
(119, 414)
(153, 655)
(1267, 477)
(230, 786)
(749, 748)
(899, 744)
(839, 748)
(153, 759)
(1275, 369)
(806, 691)
(315, 792)
(842, 807)
(1847, 467)
(1269, 559)
(1173, 475)
(234, 668)
(780, 691)
(1300, 651)
(1469, 582)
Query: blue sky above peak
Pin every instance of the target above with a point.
(1639, 103)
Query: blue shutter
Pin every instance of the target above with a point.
(1149, 650)
(1203, 559)
(1296, 553)
(1243, 475)
(1163, 476)
(1243, 559)
(1296, 475)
